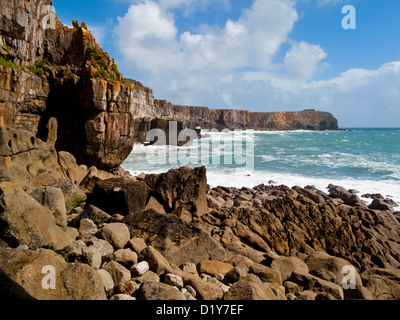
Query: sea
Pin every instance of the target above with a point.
(363, 159)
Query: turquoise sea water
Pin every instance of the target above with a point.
(367, 160)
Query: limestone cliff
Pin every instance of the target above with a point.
(59, 84)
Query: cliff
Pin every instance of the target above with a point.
(59, 84)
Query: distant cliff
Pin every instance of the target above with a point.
(59, 84)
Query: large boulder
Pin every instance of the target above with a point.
(159, 291)
(318, 262)
(178, 241)
(26, 274)
(250, 288)
(384, 284)
(26, 160)
(120, 196)
(183, 188)
(72, 193)
(25, 221)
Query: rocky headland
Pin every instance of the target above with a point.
(68, 119)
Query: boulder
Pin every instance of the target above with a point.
(101, 246)
(119, 273)
(310, 194)
(26, 275)
(380, 204)
(384, 284)
(92, 257)
(136, 244)
(126, 257)
(266, 274)
(286, 265)
(87, 229)
(343, 194)
(318, 262)
(116, 234)
(140, 269)
(156, 261)
(185, 242)
(73, 195)
(250, 288)
(98, 216)
(184, 188)
(52, 198)
(156, 291)
(307, 281)
(26, 160)
(25, 221)
(120, 196)
(205, 290)
(173, 280)
(213, 267)
(107, 280)
(72, 170)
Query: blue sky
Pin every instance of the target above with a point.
(260, 55)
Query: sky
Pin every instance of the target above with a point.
(257, 55)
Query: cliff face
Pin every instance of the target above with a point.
(59, 84)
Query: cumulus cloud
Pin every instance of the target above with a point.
(233, 65)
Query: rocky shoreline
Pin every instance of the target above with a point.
(172, 237)
(75, 226)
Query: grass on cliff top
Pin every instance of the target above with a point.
(36, 69)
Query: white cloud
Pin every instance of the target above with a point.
(233, 65)
(304, 59)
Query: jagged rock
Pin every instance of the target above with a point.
(343, 194)
(323, 261)
(137, 245)
(122, 196)
(22, 277)
(73, 233)
(184, 188)
(185, 243)
(159, 291)
(25, 221)
(213, 267)
(98, 216)
(384, 284)
(310, 194)
(52, 198)
(380, 204)
(92, 257)
(308, 282)
(116, 234)
(27, 161)
(87, 229)
(73, 195)
(71, 169)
